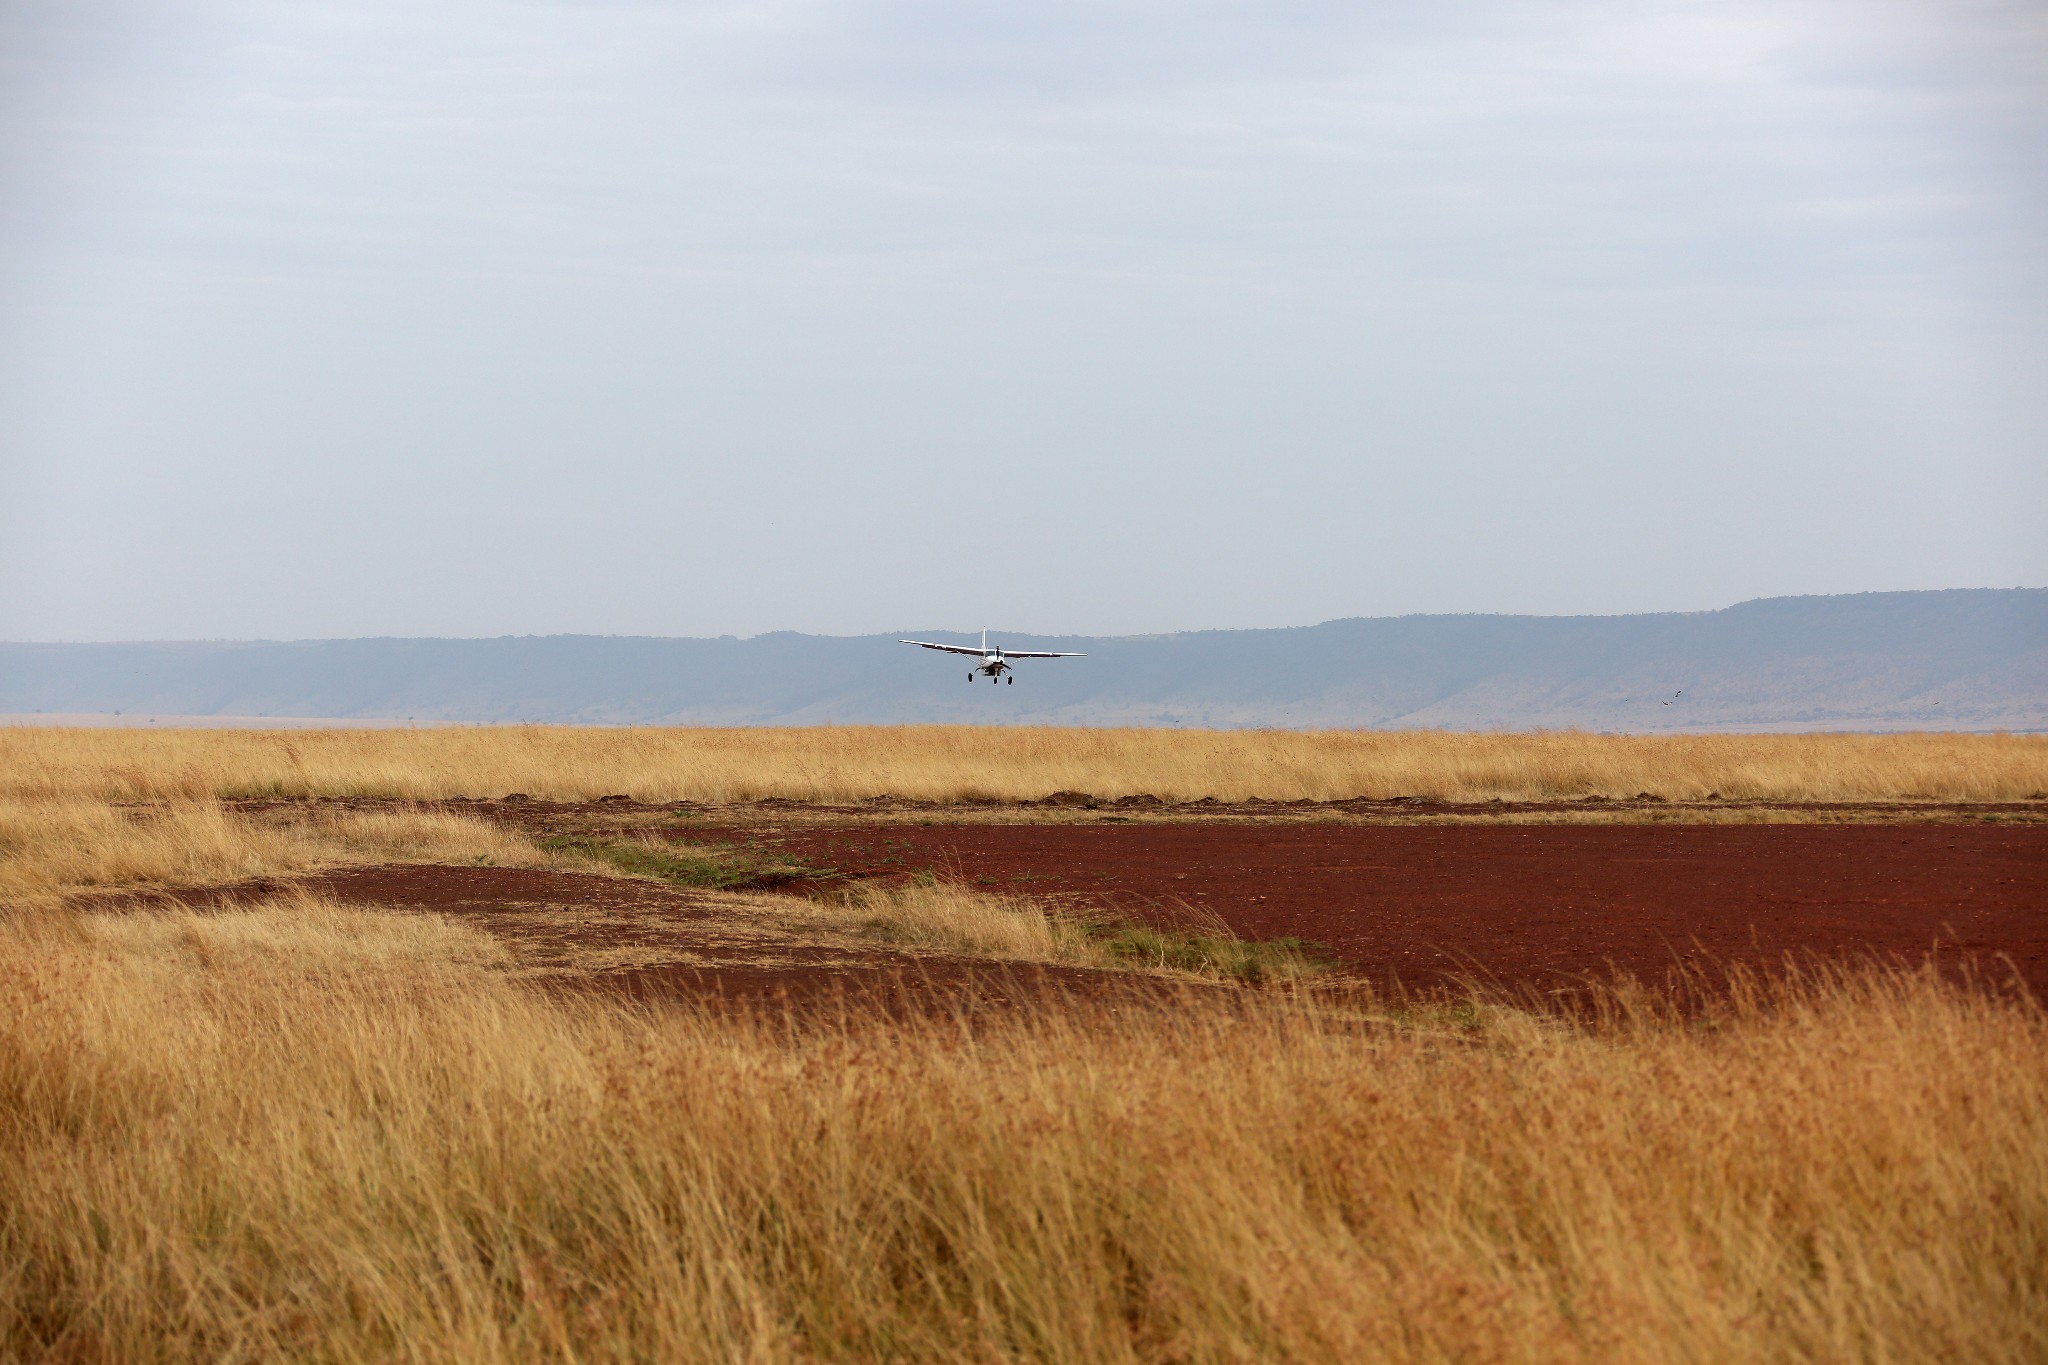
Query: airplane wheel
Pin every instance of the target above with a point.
(1009, 680)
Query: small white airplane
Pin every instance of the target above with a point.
(994, 662)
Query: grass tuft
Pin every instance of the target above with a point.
(54, 847)
(1252, 961)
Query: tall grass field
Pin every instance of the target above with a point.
(289, 1128)
(307, 1132)
(956, 763)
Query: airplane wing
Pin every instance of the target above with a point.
(1038, 654)
(950, 649)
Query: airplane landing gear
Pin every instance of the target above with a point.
(1009, 680)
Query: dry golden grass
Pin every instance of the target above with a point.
(958, 919)
(299, 1130)
(962, 763)
(955, 919)
(52, 846)
(293, 933)
(303, 1132)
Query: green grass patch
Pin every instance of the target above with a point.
(1252, 961)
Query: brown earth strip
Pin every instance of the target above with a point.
(578, 931)
(623, 812)
(1518, 904)
(1420, 903)
(1077, 808)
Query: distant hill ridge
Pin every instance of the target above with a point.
(1970, 659)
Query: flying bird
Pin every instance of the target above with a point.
(994, 661)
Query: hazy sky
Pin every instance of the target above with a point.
(359, 317)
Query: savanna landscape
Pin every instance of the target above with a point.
(897, 682)
(942, 1043)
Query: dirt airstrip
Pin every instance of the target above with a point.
(577, 932)
(1390, 896)
(1516, 904)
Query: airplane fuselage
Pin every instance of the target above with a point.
(993, 663)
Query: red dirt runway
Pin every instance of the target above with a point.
(1517, 903)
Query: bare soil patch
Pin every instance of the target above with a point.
(1412, 894)
(620, 812)
(1517, 904)
(576, 931)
